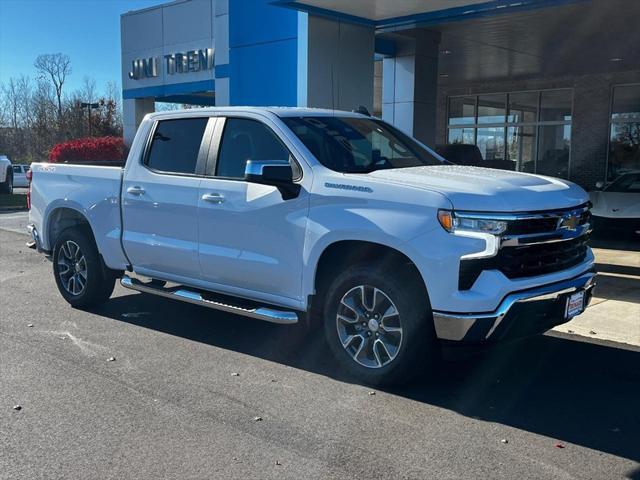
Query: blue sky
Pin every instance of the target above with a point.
(86, 30)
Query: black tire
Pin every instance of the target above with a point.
(7, 185)
(98, 280)
(418, 349)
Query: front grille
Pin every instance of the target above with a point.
(526, 261)
(518, 261)
(542, 258)
(526, 227)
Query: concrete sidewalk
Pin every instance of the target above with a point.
(614, 313)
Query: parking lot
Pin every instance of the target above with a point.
(145, 387)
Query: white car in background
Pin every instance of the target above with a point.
(6, 175)
(616, 206)
(20, 176)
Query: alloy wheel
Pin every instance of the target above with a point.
(369, 326)
(72, 268)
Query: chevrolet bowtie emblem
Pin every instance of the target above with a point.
(569, 222)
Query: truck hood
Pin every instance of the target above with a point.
(486, 189)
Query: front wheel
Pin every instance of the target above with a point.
(379, 326)
(81, 277)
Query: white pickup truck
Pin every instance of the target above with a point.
(332, 218)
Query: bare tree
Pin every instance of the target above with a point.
(11, 101)
(29, 114)
(25, 96)
(113, 110)
(88, 92)
(55, 66)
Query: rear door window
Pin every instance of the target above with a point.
(176, 145)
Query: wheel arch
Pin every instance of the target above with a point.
(64, 217)
(352, 252)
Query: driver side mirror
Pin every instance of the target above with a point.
(277, 173)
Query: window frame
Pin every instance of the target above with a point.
(475, 126)
(202, 151)
(216, 142)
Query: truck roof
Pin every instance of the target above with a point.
(279, 111)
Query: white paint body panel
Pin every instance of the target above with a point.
(257, 246)
(92, 191)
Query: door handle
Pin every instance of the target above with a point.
(135, 190)
(213, 198)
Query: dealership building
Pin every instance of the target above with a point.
(546, 86)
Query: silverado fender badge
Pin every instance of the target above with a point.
(344, 186)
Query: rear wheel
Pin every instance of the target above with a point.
(379, 326)
(80, 274)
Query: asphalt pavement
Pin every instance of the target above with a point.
(190, 393)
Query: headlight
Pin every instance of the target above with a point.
(455, 222)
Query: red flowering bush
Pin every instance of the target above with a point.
(90, 150)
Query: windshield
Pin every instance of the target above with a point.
(358, 145)
(629, 183)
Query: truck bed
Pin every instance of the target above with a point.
(93, 191)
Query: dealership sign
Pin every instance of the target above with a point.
(183, 62)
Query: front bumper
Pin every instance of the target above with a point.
(520, 314)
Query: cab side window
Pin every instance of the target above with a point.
(176, 144)
(244, 139)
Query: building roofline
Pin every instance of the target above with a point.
(153, 7)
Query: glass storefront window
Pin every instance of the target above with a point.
(490, 141)
(555, 105)
(521, 147)
(624, 139)
(461, 135)
(525, 131)
(624, 149)
(553, 150)
(491, 108)
(462, 110)
(626, 103)
(523, 107)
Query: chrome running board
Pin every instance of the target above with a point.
(191, 296)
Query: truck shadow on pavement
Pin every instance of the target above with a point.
(563, 387)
